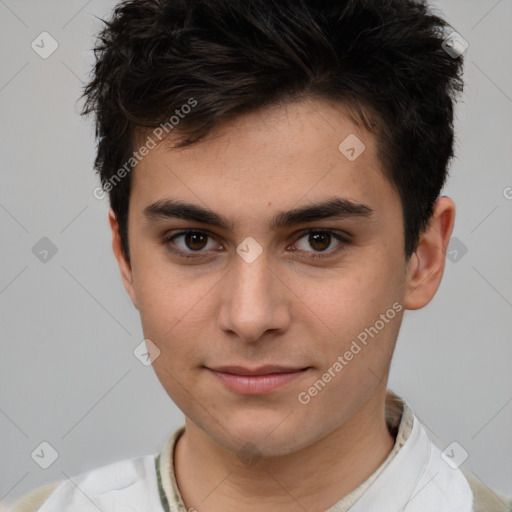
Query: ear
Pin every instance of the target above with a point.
(124, 266)
(426, 266)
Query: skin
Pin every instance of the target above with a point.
(282, 308)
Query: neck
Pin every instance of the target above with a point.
(314, 478)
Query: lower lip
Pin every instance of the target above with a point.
(256, 384)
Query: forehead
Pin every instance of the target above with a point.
(275, 157)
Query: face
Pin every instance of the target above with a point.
(252, 291)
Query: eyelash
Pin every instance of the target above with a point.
(344, 242)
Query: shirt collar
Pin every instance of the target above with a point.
(412, 450)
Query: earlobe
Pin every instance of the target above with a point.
(426, 266)
(124, 265)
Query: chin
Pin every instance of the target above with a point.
(260, 434)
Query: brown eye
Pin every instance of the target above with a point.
(316, 244)
(319, 241)
(189, 242)
(195, 240)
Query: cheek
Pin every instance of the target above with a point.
(172, 308)
(348, 306)
(353, 295)
(163, 293)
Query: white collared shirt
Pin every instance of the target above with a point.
(413, 478)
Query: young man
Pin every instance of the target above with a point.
(274, 170)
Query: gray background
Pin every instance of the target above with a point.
(68, 374)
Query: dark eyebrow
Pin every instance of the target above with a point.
(337, 207)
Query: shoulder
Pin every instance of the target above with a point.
(34, 499)
(487, 499)
(131, 481)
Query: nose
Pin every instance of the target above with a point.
(254, 300)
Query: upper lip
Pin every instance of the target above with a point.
(261, 370)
